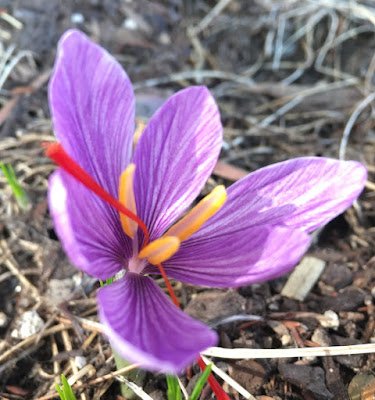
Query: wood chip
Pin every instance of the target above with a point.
(228, 171)
(303, 278)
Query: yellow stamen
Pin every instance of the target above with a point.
(126, 198)
(160, 249)
(204, 210)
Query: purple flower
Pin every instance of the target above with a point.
(259, 233)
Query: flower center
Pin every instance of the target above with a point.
(160, 249)
(163, 248)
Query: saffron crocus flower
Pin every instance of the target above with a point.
(255, 231)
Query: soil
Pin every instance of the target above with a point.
(287, 76)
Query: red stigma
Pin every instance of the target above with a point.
(56, 152)
(215, 386)
(169, 286)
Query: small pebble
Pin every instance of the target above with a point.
(80, 361)
(211, 307)
(238, 140)
(28, 324)
(286, 340)
(60, 290)
(164, 39)
(3, 320)
(226, 146)
(77, 18)
(320, 337)
(131, 24)
(332, 320)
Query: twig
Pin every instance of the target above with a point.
(95, 381)
(279, 43)
(10, 263)
(135, 388)
(370, 185)
(369, 75)
(28, 341)
(9, 67)
(281, 111)
(340, 39)
(345, 136)
(11, 20)
(55, 351)
(86, 323)
(106, 377)
(197, 75)
(225, 377)
(5, 57)
(14, 360)
(236, 318)
(214, 12)
(306, 93)
(78, 374)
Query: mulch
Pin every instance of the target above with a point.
(291, 79)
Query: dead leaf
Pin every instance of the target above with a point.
(357, 385)
(368, 393)
(6, 110)
(17, 390)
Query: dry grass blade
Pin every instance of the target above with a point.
(183, 389)
(136, 389)
(214, 12)
(11, 20)
(12, 266)
(195, 75)
(239, 354)
(106, 377)
(30, 341)
(225, 377)
(290, 79)
(87, 324)
(345, 136)
(95, 381)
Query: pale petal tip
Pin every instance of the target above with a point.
(361, 170)
(146, 328)
(72, 34)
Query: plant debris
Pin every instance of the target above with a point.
(291, 79)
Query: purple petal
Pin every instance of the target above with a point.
(92, 107)
(240, 244)
(304, 193)
(145, 327)
(89, 229)
(175, 156)
(238, 258)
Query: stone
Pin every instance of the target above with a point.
(311, 379)
(213, 306)
(28, 324)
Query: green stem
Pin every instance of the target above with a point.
(135, 375)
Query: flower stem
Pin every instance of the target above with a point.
(135, 375)
(215, 386)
